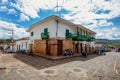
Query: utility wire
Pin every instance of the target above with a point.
(63, 2)
(57, 8)
(61, 8)
(51, 13)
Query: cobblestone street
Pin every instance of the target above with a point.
(26, 67)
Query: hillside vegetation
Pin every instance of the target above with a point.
(5, 41)
(110, 43)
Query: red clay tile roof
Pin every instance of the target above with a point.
(25, 38)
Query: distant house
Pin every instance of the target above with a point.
(1, 47)
(7, 48)
(21, 44)
(98, 44)
(101, 47)
(53, 35)
(117, 48)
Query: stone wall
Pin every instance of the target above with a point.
(68, 44)
(39, 47)
(83, 47)
(51, 46)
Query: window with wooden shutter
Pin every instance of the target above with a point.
(31, 33)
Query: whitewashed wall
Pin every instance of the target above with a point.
(25, 44)
(52, 26)
(40, 29)
(92, 44)
(62, 29)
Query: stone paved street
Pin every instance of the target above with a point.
(94, 67)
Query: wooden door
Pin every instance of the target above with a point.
(85, 48)
(88, 48)
(77, 48)
(48, 49)
(81, 49)
(30, 49)
(60, 47)
(17, 47)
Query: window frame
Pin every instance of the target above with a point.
(32, 33)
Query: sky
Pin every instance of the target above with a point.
(101, 16)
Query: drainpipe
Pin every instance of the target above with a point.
(57, 29)
(77, 31)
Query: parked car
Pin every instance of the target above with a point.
(7, 49)
(117, 49)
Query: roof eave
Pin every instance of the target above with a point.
(42, 21)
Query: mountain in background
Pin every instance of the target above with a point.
(5, 41)
(109, 43)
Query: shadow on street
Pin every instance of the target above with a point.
(40, 62)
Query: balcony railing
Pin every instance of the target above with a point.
(68, 34)
(80, 37)
(45, 35)
(90, 39)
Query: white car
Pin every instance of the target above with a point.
(7, 49)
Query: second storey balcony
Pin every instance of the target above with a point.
(79, 37)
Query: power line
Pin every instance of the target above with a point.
(57, 8)
(41, 11)
(51, 6)
(61, 8)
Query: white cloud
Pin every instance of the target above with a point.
(4, 1)
(23, 17)
(104, 23)
(6, 27)
(3, 8)
(108, 33)
(56, 9)
(11, 11)
(7, 10)
(114, 29)
(31, 8)
(80, 12)
(85, 9)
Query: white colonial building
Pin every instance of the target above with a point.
(57, 34)
(21, 44)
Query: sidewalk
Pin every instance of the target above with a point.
(2, 63)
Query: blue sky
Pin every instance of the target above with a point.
(101, 16)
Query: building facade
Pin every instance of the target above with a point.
(53, 35)
(21, 44)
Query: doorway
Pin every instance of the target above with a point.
(31, 49)
(85, 48)
(77, 48)
(60, 47)
(17, 47)
(48, 48)
(81, 49)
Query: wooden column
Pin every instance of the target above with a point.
(83, 47)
